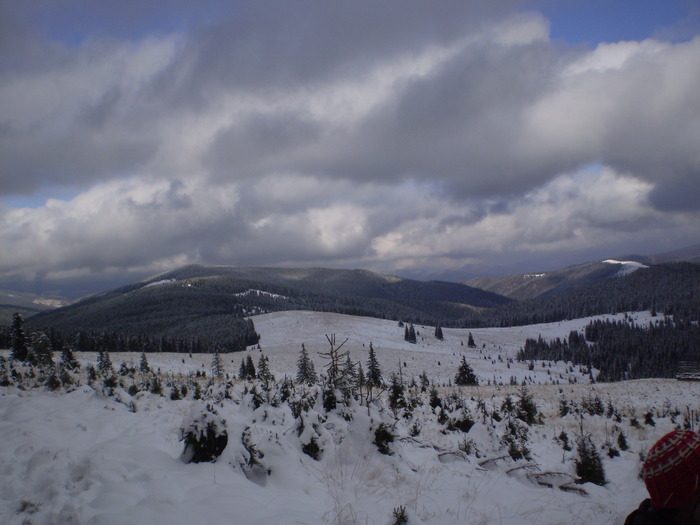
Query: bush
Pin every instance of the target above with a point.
(400, 517)
(311, 449)
(383, 438)
(204, 434)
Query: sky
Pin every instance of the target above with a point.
(411, 137)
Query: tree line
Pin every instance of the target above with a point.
(241, 336)
(622, 349)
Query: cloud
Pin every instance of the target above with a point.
(357, 134)
(142, 224)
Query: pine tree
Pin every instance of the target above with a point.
(104, 363)
(526, 410)
(264, 373)
(470, 341)
(348, 372)
(306, 372)
(361, 380)
(374, 373)
(410, 334)
(40, 349)
(589, 464)
(438, 333)
(19, 350)
(143, 365)
(68, 360)
(396, 393)
(465, 374)
(248, 368)
(217, 366)
(424, 381)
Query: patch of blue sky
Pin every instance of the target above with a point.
(591, 22)
(39, 197)
(73, 22)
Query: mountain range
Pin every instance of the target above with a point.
(210, 302)
(530, 285)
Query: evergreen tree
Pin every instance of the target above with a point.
(526, 410)
(465, 374)
(410, 334)
(144, 368)
(104, 363)
(374, 373)
(438, 333)
(435, 400)
(40, 349)
(396, 393)
(348, 371)
(424, 381)
(264, 373)
(217, 366)
(68, 360)
(247, 369)
(589, 465)
(470, 341)
(306, 372)
(19, 348)
(361, 380)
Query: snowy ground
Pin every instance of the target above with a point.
(83, 457)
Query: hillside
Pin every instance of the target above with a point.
(526, 286)
(88, 453)
(530, 285)
(25, 303)
(665, 288)
(211, 302)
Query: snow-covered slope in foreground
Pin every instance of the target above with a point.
(83, 457)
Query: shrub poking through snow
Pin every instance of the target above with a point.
(383, 438)
(204, 434)
(400, 517)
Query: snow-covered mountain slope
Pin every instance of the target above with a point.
(86, 457)
(626, 267)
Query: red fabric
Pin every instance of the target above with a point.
(672, 469)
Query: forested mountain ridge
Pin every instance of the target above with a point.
(200, 306)
(530, 285)
(525, 286)
(210, 303)
(672, 288)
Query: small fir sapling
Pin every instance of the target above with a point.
(144, 368)
(589, 464)
(400, 517)
(204, 432)
(622, 441)
(383, 437)
(465, 374)
(68, 360)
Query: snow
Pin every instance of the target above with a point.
(259, 293)
(627, 267)
(160, 283)
(85, 457)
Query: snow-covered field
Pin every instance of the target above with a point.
(85, 457)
